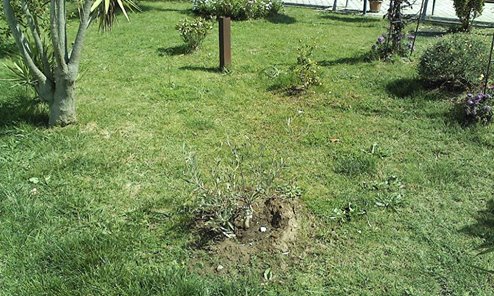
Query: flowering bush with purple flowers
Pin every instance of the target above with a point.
(478, 108)
(383, 50)
(394, 42)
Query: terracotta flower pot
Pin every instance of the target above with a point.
(375, 6)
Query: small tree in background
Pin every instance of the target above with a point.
(467, 11)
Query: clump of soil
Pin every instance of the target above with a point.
(274, 225)
(273, 229)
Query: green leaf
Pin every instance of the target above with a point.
(34, 180)
(96, 4)
(122, 7)
(268, 274)
(107, 6)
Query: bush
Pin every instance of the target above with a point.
(237, 9)
(194, 32)
(457, 60)
(300, 76)
(306, 70)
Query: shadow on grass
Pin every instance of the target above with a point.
(405, 88)
(431, 33)
(349, 61)
(281, 19)
(483, 228)
(22, 109)
(349, 18)
(145, 8)
(173, 50)
(413, 88)
(201, 68)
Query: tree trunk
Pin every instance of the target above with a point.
(62, 107)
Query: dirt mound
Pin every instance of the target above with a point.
(272, 228)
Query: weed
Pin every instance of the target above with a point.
(349, 212)
(389, 193)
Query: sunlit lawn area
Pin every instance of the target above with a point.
(98, 208)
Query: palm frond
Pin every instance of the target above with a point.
(106, 11)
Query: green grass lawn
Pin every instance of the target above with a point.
(97, 208)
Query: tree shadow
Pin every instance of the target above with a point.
(22, 109)
(347, 60)
(349, 17)
(431, 33)
(483, 228)
(145, 8)
(174, 50)
(202, 68)
(404, 88)
(412, 87)
(281, 19)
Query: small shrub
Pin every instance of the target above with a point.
(306, 70)
(467, 10)
(237, 9)
(478, 109)
(234, 189)
(193, 32)
(299, 77)
(457, 60)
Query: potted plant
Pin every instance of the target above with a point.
(375, 5)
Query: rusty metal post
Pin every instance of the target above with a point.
(225, 42)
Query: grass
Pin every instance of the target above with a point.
(97, 208)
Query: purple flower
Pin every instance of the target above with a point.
(411, 37)
(380, 39)
(470, 102)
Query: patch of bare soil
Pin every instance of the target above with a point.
(274, 229)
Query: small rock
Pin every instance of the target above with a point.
(219, 268)
(263, 229)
